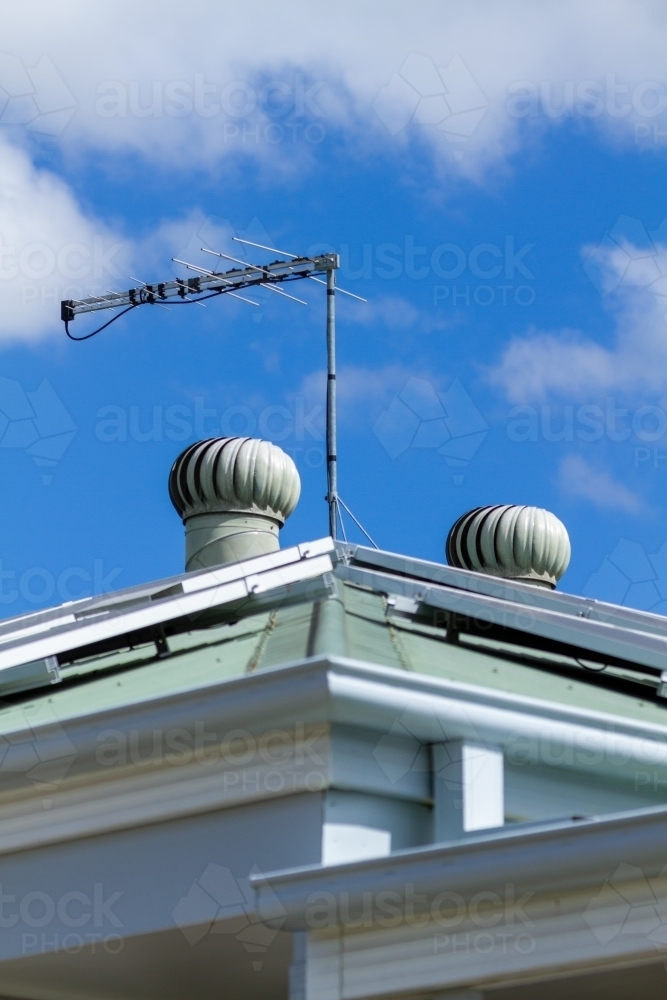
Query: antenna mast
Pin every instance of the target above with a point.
(332, 451)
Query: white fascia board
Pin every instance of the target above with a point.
(388, 700)
(561, 856)
(253, 577)
(456, 948)
(119, 798)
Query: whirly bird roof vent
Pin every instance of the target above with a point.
(519, 543)
(233, 495)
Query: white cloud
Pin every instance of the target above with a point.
(331, 70)
(582, 482)
(180, 84)
(394, 312)
(49, 249)
(567, 364)
(540, 365)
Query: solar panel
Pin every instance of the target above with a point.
(601, 639)
(187, 599)
(503, 589)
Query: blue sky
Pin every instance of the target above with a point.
(495, 192)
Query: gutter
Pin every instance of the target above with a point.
(432, 710)
(560, 857)
(342, 690)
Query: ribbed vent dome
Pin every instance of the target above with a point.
(523, 543)
(224, 475)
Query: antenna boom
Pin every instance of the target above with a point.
(208, 282)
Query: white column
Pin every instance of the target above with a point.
(468, 792)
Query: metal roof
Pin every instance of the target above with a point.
(320, 599)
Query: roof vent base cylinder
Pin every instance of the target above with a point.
(214, 539)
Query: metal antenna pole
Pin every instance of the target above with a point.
(332, 471)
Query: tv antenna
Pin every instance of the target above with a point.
(207, 284)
